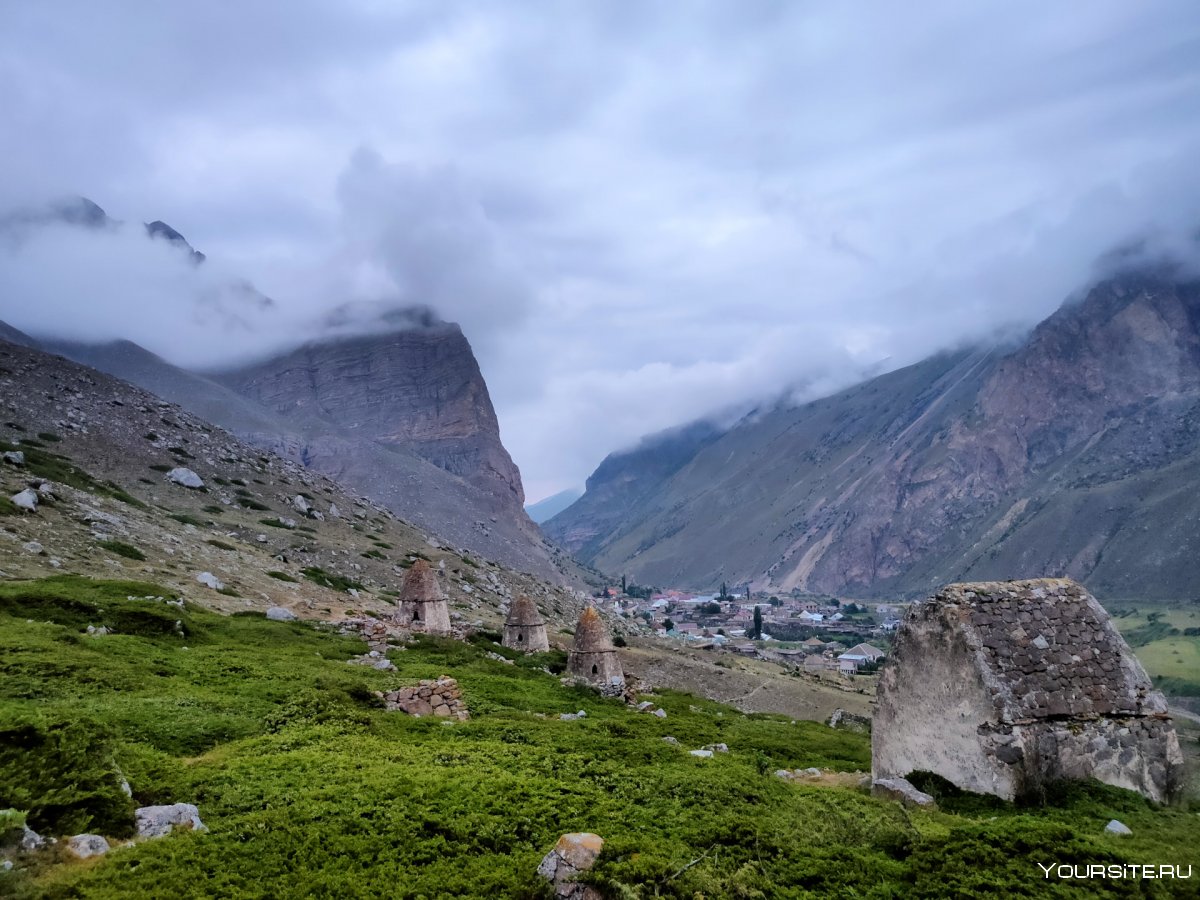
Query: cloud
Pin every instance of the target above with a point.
(636, 215)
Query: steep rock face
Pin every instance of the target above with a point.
(478, 516)
(1069, 455)
(419, 390)
(621, 482)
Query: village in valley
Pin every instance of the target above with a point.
(814, 633)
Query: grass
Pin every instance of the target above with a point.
(120, 548)
(188, 519)
(58, 468)
(275, 523)
(309, 788)
(1166, 641)
(283, 576)
(317, 575)
(251, 503)
(220, 545)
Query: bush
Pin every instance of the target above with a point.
(122, 549)
(63, 774)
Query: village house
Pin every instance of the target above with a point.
(858, 656)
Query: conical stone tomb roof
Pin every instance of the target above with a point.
(591, 634)
(524, 613)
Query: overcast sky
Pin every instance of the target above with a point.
(639, 212)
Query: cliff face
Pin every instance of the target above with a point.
(420, 391)
(1066, 456)
(413, 431)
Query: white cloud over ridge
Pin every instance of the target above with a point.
(637, 215)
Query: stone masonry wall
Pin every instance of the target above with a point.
(440, 698)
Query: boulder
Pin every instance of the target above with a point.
(14, 457)
(88, 845)
(660, 713)
(156, 821)
(185, 478)
(33, 547)
(26, 500)
(208, 579)
(1115, 827)
(572, 854)
(717, 748)
(31, 840)
(301, 505)
(902, 790)
(703, 754)
(281, 614)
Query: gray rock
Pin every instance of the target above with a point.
(660, 713)
(1115, 827)
(31, 840)
(208, 579)
(14, 457)
(286, 522)
(185, 478)
(702, 754)
(902, 790)
(717, 748)
(334, 512)
(281, 614)
(572, 854)
(671, 740)
(26, 500)
(88, 845)
(301, 505)
(6, 865)
(32, 547)
(156, 821)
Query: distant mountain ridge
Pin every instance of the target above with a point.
(1074, 454)
(551, 506)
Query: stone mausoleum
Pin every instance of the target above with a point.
(422, 604)
(593, 656)
(1002, 687)
(524, 627)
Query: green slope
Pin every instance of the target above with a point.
(309, 789)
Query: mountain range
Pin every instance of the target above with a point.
(402, 415)
(1073, 453)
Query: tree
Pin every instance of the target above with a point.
(775, 601)
(622, 584)
(709, 609)
(756, 632)
(724, 591)
(668, 625)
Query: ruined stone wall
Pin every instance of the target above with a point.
(440, 698)
(1002, 687)
(930, 702)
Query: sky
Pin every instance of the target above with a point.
(639, 213)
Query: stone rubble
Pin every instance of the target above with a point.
(440, 697)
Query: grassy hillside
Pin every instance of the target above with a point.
(309, 788)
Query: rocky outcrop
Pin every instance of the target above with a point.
(445, 471)
(159, 821)
(418, 390)
(1065, 455)
(1001, 688)
(572, 854)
